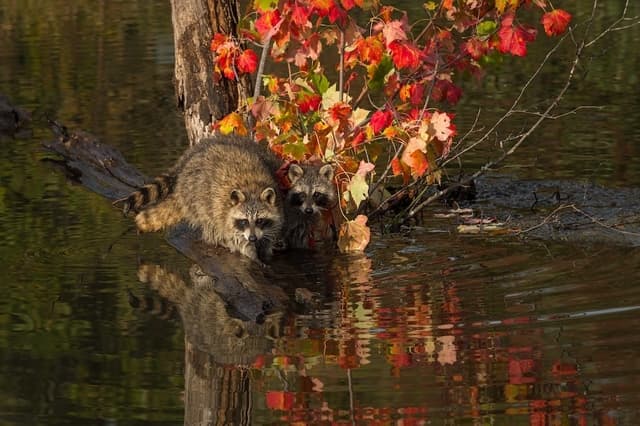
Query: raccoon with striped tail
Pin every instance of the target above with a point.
(222, 187)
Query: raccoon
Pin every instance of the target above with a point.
(224, 188)
(312, 192)
(309, 192)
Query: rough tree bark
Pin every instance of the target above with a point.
(202, 100)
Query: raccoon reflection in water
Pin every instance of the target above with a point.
(221, 186)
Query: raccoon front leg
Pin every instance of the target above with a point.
(158, 217)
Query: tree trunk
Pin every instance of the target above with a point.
(202, 100)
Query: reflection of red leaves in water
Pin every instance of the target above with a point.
(518, 368)
(563, 369)
(280, 400)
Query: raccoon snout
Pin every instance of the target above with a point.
(253, 238)
(308, 210)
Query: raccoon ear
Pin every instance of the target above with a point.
(237, 197)
(269, 195)
(295, 173)
(326, 171)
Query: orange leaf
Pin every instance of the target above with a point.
(354, 235)
(230, 123)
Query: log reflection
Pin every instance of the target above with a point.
(219, 345)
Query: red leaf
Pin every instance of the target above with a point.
(556, 21)
(380, 120)
(358, 139)
(348, 4)
(396, 167)
(404, 55)
(217, 41)
(280, 400)
(514, 39)
(309, 102)
(300, 15)
(446, 90)
(476, 48)
(247, 61)
(267, 21)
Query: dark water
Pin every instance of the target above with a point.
(431, 327)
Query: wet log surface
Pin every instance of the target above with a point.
(241, 283)
(562, 210)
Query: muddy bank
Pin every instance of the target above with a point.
(560, 210)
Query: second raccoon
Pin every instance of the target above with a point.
(224, 188)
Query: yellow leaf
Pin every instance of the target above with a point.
(501, 5)
(358, 189)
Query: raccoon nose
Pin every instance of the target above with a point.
(308, 210)
(253, 238)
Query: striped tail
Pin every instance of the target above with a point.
(148, 195)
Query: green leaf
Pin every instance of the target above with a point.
(358, 189)
(321, 82)
(485, 28)
(296, 150)
(265, 4)
(380, 74)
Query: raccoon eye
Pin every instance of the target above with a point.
(263, 223)
(321, 199)
(241, 224)
(297, 199)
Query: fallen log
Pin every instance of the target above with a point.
(241, 283)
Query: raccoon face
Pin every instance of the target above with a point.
(312, 190)
(254, 217)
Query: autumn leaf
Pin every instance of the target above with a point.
(501, 5)
(348, 4)
(300, 15)
(475, 48)
(263, 5)
(380, 120)
(354, 235)
(230, 123)
(247, 61)
(393, 31)
(267, 21)
(514, 39)
(309, 102)
(358, 189)
(556, 21)
(378, 74)
(413, 156)
(404, 55)
(364, 168)
(358, 138)
(440, 126)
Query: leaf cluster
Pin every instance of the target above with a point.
(384, 110)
